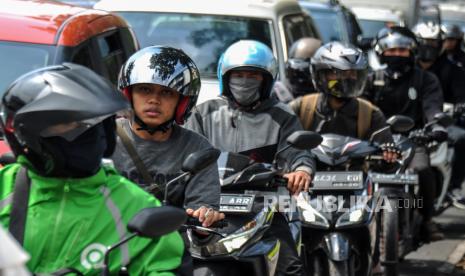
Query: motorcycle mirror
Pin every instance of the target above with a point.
(199, 160)
(149, 223)
(400, 123)
(157, 221)
(444, 119)
(7, 158)
(378, 132)
(364, 43)
(301, 139)
(193, 164)
(304, 140)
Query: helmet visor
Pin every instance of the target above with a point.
(71, 130)
(343, 83)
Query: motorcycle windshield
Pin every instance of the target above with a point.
(235, 168)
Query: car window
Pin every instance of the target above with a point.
(203, 37)
(296, 26)
(354, 27)
(371, 27)
(20, 58)
(83, 56)
(329, 25)
(112, 54)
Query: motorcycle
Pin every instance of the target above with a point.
(247, 187)
(400, 223)
(444, 165)
(338, 213)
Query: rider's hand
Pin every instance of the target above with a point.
(207, 216)
(390, 156)
(390, 152)
(298, 181)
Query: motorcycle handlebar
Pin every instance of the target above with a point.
(217, 224)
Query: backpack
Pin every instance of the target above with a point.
(308, 108)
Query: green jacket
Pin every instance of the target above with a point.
(70, 222)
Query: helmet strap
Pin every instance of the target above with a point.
(151, 130)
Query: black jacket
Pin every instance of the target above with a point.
(344, 121)
(452, 78)
(418, 95)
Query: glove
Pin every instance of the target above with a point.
(390, 147)
(439, 136)
(418, 136)
(459, 109)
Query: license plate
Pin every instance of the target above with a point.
(236, 203)
(404, 179)
(338, 181)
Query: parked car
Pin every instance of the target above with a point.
(453, 13)
(81, 3)
(409, 9)
(39, 33)
(204, 29)
(373, 19)
(334, 21)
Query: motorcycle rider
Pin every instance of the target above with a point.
(404, 88)
(162, 84)
(431, 58)
(247, 120)
(339, 73)
(298, 81)
(452, 44)
(60, 122)
(451, 75)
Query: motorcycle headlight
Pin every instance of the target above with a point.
(240, 237)
(309, 214)
(355, 215)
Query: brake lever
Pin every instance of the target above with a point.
(203, 229)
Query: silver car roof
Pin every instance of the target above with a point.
(245, 8)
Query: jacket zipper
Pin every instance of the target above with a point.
(236, 129)
(59, 216)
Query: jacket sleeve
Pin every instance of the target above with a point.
(432, 96)
(204, 189)
(195, 123)
(378, 121)
(161, 256)
(297, 159)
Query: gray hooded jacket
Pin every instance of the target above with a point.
(258, 133)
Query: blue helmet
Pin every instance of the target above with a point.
(248, 55)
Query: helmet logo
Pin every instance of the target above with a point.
(332, 84)
(253, 49)
(92, 256)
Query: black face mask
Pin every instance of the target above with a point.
(81, 157)
(428, 53)
(398, 67)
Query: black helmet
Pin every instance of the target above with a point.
(64, 101)
(164, 66)
(429, 37)
(391, 38)
(339, 70)
(298, 65)
(452, 31)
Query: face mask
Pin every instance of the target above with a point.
(82, 156)
(428, 53)
(245, 91)
(398, 66)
